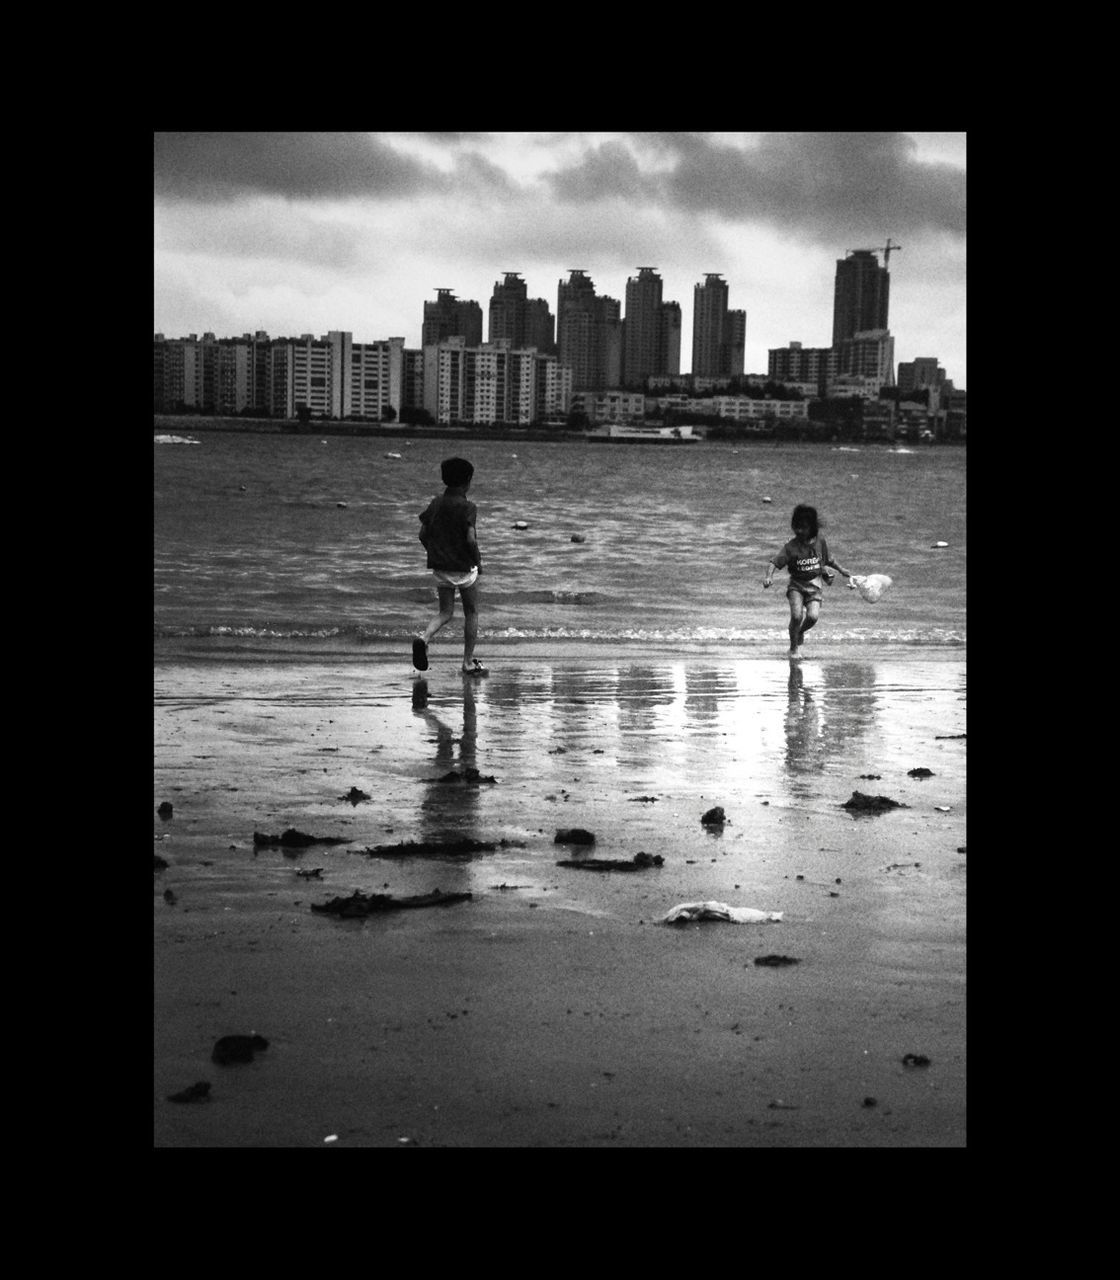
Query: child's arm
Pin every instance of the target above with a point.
(472, 542)
(769, 574)
(831, 560)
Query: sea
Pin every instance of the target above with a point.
(288, 544)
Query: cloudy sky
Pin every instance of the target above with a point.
(305, 232)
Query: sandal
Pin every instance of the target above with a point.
(476, 669)
(419, 653)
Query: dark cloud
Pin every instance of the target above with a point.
(217, 167)
(828, 186)
(608, 171)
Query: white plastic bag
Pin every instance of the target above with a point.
(721, 911)
(870, 586)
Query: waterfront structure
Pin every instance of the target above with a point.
(451, 317)
(718, 335)
(588, 333)
(853, 386)
(748, 409)
(492, 382)
(861, 299)
(651, 330)
(526, 322)
(610, 406)
(736, 408)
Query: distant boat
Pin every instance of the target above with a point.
(392, 455)
(651, 435)
(164, 439)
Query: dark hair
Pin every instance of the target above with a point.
(455, 471)
(806, 515)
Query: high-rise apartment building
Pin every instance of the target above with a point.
(922, 372)
(450, 317)
(718, 335)
(868, 354)
(798, 364)
(642, 327)
(588, 333)
(736, 343)
(526, 322)
(493, 383)
(709, 320)
(862, 295)
(214, 375)
(651, 330)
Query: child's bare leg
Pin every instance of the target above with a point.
(812, 613)
(796, 618)
(446, 612)
(469, 597)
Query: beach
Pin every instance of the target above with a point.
(544, 1005)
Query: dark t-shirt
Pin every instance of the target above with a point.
(443, 531)
(806, 560)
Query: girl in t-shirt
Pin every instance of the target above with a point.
(808, 559)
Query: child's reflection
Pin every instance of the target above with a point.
(803, 731)
(450, 805)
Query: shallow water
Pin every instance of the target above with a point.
(277, 540)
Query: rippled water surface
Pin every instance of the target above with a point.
(266, 538)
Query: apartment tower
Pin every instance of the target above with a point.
(651, 330)
(448, 317)
(862, 295)
(588, 333)
(526, 322)
(718, 335)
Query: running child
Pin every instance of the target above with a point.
(447, 530)
(808, 559)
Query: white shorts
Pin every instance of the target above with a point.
(449, 579)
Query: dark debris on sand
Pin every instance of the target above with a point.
(859, 803)
(574, 835)
(237, 1049)
(293, 839)
(714, 817)
(359, 904)
(199, 1092)
(437, 848)
(776, 962)
(469, 778)
(354, 796)
(639, 862)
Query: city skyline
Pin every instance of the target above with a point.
(298, 233)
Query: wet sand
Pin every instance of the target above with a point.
(554, 1008)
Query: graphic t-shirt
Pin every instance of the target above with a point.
(443, 531)
(806, 560)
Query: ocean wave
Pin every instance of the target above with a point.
(838, 639)
(549, 597)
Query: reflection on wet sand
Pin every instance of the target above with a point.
(706, 688)
(829, 711)
(803, 733)
(640, 695)
(449, 808)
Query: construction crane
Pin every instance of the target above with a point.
(884, 249)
